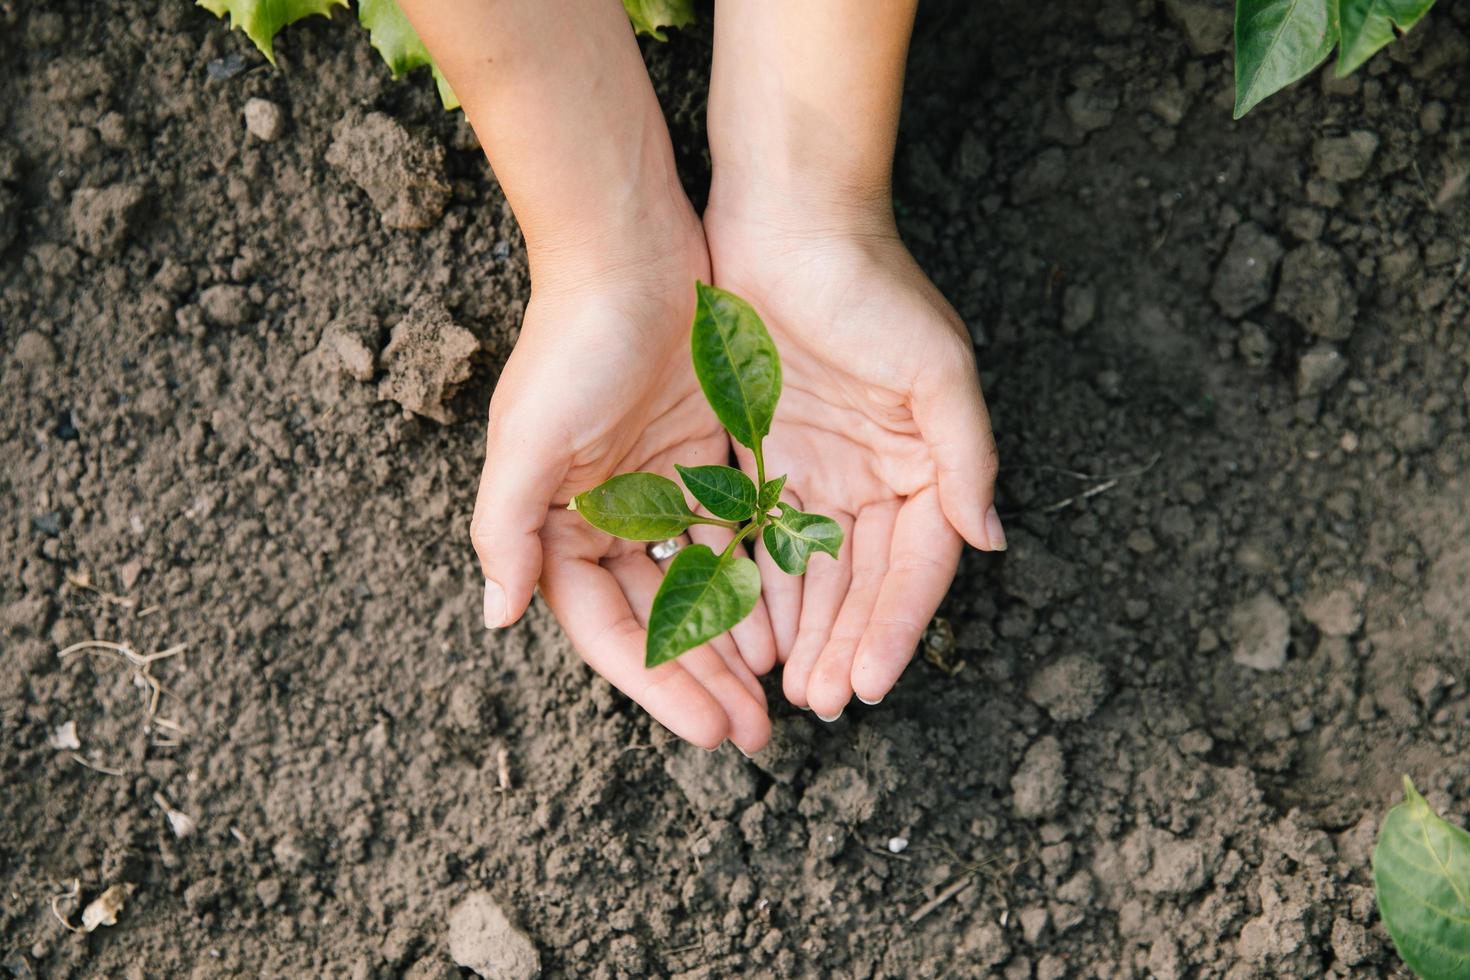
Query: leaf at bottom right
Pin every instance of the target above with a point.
(1421, 872)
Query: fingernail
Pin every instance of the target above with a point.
(867, 702)
(993, 528)
(494, 605)
(829, 720)
(745, 753)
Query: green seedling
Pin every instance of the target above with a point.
(704, 594)
(1421, 872)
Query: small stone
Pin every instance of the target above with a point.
(1091, 109)
(102, 218)
(402, 176)
(897, 845)
(226, 305)
(482, 939)
(1033, 924)
(1243, 277)
(1319, 369)
(1262, 630)
(264, 120)
(1071, 689)
(352, 341)
(34, 351)
(1315, 291)
(1334, 613)
(268, 892)
(1079, 306)
(1039, 787)
(1345, 158)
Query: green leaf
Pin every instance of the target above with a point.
(736, 363)
(725, 492)
(651, 16)
(390, 32)
(793, 537)
(770, 493)
(1421, 872)
(636, 506)
(1277, 42)
(1368, 25)
(702, 596)
(261, 19)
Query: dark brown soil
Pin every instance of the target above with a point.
(1228, 366)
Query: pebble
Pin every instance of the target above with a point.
(1243, 277)
(1262, 631)
(897, 845)
(34, 351)
(482, 939)
(1319, 369)
(264, 120)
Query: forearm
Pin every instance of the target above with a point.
(804, 104)
(558, 95)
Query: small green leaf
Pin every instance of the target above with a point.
(636, 506)
(1421, 872)
(394, 38)
(793, 537)
(261, 19)
(1277, 42)
(1368, 25)
(702, 596)
(736, 363)
(771, 493)
(725, 492)
(651, 16)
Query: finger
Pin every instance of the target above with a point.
(781, 595)
(822, 590)
(830, 686)
(591, 607)
(752, 635)
(520, 476)
(729, 681)
(954, 421)
(921, 567)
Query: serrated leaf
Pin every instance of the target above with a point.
(636, 506)
(1276, 43)
(702, 596)
(1368, 25)
(793, 537)
(771, 493)
(393, 37)
(651, 16)
(725, 492)
(1421, 872)
(736, 363)
(262, 19)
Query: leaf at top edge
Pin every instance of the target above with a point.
(637, 507)
(652, 16)
(736, 362)
(793, 537)
(1368, 25)
(724, 491)
(770, 493)
(262, 19)
(1276, 43)
(1421, 873)
(702, 596)
(392, 36)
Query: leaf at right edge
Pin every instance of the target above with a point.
(725, 492)
(793, 537)
(771, 493)
(1276, 43)
(261, 20)
(1421, 872)
(736, 362)
(652, 16)
(636, 506)
(391, 34)
(702, 595)
(1368, 25)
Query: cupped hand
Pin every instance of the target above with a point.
(600, 383)
(882, 426)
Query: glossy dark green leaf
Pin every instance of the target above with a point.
(1277, 42)
(794, 536)
(702, 596)
(1368, 25)
(736, 363)
(725, 492)
(771, 493)
(1421, 872)
(636, 506)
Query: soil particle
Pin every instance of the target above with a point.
(841, 794)
(102, 218)
(351, 342)
(482, 939)
(1206, 23)
(1243, 277)
(715, 783)
(402, 176)
(34, 351)
(1071, 689)
(204, 895)
(1343, 158)
(1262, 630)
(1039, 786)
(1041, 176)
(226, 305)
(1319, 369)
(9, 218)
(1174, 866)
(1315, 291)
(264, 120)
(1334, 613)
(1036, 576)
(427, 359)
(1079, 306)
(786, 752)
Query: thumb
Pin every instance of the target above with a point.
(517, 484)
(952, 418)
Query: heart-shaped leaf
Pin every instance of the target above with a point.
(702, 596)
(736, 363)
(1277, 42)
(1368, 25)
(725, 492)
(793, 536)
(1421, 872)
(636, 506)
(770, 493)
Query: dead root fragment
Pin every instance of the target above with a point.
(140, 665)
(100, 911)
